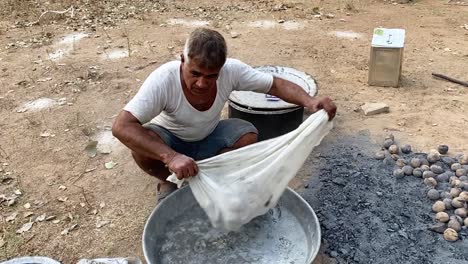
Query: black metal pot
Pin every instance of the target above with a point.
(269, 123)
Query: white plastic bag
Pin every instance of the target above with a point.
(235, 187)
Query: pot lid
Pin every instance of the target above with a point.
(260, 100)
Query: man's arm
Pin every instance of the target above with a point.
(293, 93)
(132, 134)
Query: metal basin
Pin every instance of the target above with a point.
(178, 231)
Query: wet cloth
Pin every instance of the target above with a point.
(239, 185)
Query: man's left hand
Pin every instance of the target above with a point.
(324, 103)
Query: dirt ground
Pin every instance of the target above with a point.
(92, 59)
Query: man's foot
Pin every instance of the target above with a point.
(164, 189)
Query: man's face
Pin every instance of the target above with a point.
(199, 80)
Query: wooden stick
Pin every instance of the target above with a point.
(450, 79)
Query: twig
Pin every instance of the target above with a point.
(450, 79)
(71, 9)
(4, 153)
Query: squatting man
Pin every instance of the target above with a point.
(174, 119)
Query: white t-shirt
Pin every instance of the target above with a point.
(161, 99)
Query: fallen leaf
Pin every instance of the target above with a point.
(41, 218)
(11, 217)
(25, 228)
(109, 165)
(90, 170)
(52, 217)
(28, 214)
(62, 199)
(11, 201)
(17, 192)
(101, 223)
(62, 187)
(91, 149)
(27, 205)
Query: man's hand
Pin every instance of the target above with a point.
(182, 166)
(325, 103)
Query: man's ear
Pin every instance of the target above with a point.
(182, 59)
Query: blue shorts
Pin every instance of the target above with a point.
(226, 133)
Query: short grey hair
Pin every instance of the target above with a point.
(206, 47)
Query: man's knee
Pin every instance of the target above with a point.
(245, 140)
(153, 167)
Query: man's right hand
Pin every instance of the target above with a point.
(182, 166)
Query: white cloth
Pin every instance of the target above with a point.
(161, 97)
(239, 185)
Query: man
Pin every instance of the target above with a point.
(184, 99)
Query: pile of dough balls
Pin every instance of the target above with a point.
(445, 177)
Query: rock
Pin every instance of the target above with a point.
(443, 149)
(454, 224)
(438, 228)
(405, 148)
(375, 108)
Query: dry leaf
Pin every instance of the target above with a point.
(17, 192)
(28, 214)
(109, 165)
(27, 205)
(62, 199)
(41, 218)
(52, 217)
(91, 149)
(101, 223)
(62, 187)
(82, 204)
(25, 228)
(11, 217)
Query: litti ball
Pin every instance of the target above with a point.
(424, 161)
(437, 169)
(400, 162)
(438, 206)
(430, 182)
(387, 143)
(458, 202)
(448, 203)
(408, 170)
(456, 218)
(464, 159)
(415, 162)
(417, 172)
(398, 173)
(460, 172)
(443, 149)
(433, 194)
(428, 174)
(464, 195)
(450, 235)
(395, 157)
(390, 136)
(433, 156)
(454, 224)
(455, 192)
(444, 195)
(425, 167)
(442, 217)
(455, 166)
(405, 148)
(461, 212)
(393, 149)
(380, 155)
(466, 221)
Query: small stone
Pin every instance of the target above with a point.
(417, 172)
(460, 172)
(415, 162)
(433, 194)
(393, 149)
(443, 149)
(405, 148)
(437, 169)
(456, 166)
(375, 108)
(407, 170)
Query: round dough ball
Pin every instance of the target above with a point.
(400, 162)
(433, 156)
(456, 218)
(443, 149)
(453, 181)
(424, 161)
(464, 195)
(428, 174)
(405, 148)
(442, 217)
(463, 178)
(437, 169)
(415, 162)
(408, 170)
(417, 172)
(398, 173)
(393, 149)
(448, 203)
(430, 182)
(461, 212)
(433, 194)
(460, 172)
(464, 159)
(455, 166)
(387, 143)
(444, 195)
(443, 177)
(455, 192)
(390, 136)
(425, 167)
(450, 235)
(380, 155)
(395, 157)
(458, 202)
(438, 206)
(466, 221)
(454, 224)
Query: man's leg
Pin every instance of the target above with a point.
(243, 141)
